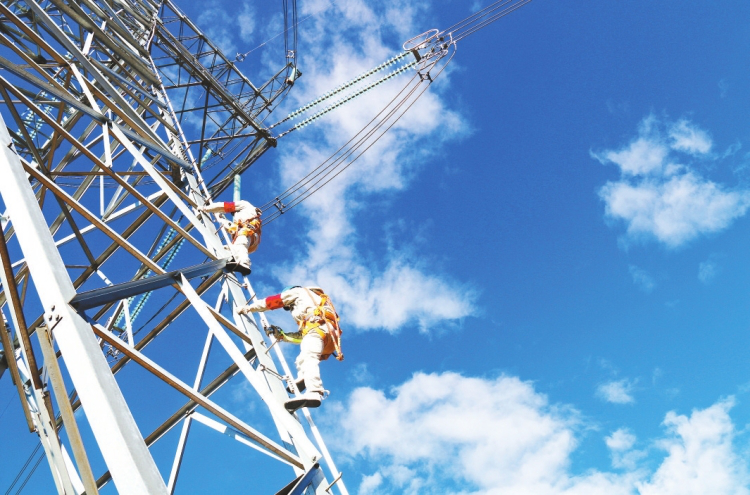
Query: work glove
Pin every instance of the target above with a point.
(250, 308)
(277, 332)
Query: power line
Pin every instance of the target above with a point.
(435, 47)
(367, 137)
(28, 476)
(18, 476)
(241, 56)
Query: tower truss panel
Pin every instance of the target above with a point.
(119, 119)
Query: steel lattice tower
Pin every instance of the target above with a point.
(120, 117)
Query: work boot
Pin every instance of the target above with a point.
(300, 383)
(243, 268)
(310, 399)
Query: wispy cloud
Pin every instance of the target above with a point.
(448, 433)
(620, 444)
(379, 291)
(709, 269)
(642, 279)
(617, 391)
(688, 138)
(660, 197)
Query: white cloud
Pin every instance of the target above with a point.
(709, 269)
(657, 197)
(642, 279)
(246, 22)
(640, 157)
(220, 27)
(398, 288)
(689, 138)
(617, 391)
(620, 444)
(700, 456)
(370, 484)
(673, 211)
(620, 440)
(447, 433)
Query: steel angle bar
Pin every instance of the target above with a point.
(52, 185)
(103, 227)
(256, 378)
(190, 406)
(16, 312)
(59, 93)
(156, 148)
(161, 182)
(32, 36)
(66, 411)
(161, 326)
(300, 484)
(116, 102)
(75, 12)
(143, 105)
(182, 442)
(185, 410)
(10, 359)
(98, 297)
(44, 425)
(89, 228)
(114, 428)
(130, 84)
(114, 175)
(231, 326)
(57, 32)
(232, 433)
(203, 401)
(116, 25)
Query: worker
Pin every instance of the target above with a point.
(319, 336)
(244, 229)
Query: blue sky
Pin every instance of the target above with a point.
(542, 271)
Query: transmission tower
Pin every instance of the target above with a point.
(119, 119)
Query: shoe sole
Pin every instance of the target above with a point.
(294, 404)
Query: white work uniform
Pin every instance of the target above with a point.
(244, 212)
(302, 303)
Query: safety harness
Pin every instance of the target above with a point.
(250, 229)
(322, 314)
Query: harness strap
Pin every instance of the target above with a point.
(249, 228)
(322, 314)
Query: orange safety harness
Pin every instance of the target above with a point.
(249, 229)
(322, 314)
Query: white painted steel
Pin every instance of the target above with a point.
(231, 432)
(307, 451)
(185, 389)
(46, 431)
(122, 446)
(196, 386)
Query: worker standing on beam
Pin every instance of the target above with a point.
(244, 229)
(319, 337)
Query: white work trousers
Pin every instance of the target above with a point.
(308, 361)
(239, 250)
